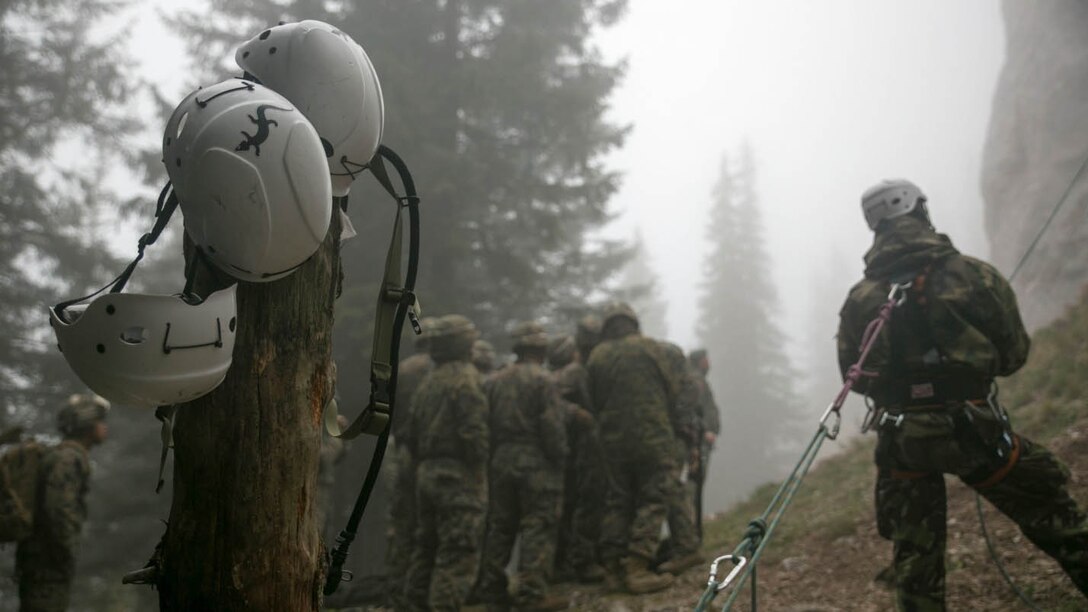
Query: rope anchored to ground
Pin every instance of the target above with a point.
(745, 557)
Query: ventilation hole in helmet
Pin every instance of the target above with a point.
(233, 323)
(272, 51)
(245, 55)
(177, 162)
(328, 147)
(134, 335)
(101, 348)
(168, 141)
(181, 124)
(896, 201)
(110, 309)
(265, 34)
(281, 23)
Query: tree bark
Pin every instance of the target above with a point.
(242, 533)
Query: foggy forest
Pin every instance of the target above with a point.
(702, 161)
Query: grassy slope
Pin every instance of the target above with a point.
(826, 552)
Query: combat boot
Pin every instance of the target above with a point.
(548, 603)
(591, 574)
(681, 562)
(613, 577)
(640, 579)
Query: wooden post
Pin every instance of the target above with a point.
(242, 534)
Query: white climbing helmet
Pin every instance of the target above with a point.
(149, 350)
(889, 199)
(250, 175)
(329, 77)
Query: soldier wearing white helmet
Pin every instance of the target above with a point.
(893, 198)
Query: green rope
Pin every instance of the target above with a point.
(759, 531)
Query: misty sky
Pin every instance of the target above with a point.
(832, 95)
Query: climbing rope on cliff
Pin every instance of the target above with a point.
(745, 556)
(1046, 225)
(978, 497)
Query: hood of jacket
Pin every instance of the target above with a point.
(905, 245)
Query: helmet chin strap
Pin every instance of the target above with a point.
(164, 210)
(396, 302)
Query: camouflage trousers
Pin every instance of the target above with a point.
(684, 536)
(450, 502)
(911, 508)
(585, 484)
(637, 504)
(525, 495)
(402, 521)
(43, 596)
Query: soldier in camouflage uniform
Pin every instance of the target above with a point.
(45, 563)
(683, 549)
(709, 428)
(529, 447)
(584, 478)
(632, 385)
(447, 434)
(402, 490)
(957, 330)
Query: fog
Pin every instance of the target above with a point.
(833, 96)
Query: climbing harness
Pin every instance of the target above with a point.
(396, 302)
(745, 556)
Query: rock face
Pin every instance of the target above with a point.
(1037, 142)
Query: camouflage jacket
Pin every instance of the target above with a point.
(410, 374)
(632, 385)
(684, 409)
(49, 554)
(526, 409)
(449, 416)
(961, 320)
(572, 381)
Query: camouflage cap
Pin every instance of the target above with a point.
(588, 332)
(81, 412)
(453, 325)
(618, 309)
(529, 334)
(561, 350)
(428, 325)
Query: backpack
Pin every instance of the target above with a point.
(20, 469)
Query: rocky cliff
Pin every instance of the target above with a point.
(1037, 141)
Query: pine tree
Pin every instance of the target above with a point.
(639, 286)
(57, 87)
(750, 372)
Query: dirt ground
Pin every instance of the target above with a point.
(819, 575)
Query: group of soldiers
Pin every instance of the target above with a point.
(580, 450)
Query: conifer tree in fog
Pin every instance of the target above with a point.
(750, 373)
(498, 107)
(58, 87)
(640, 286)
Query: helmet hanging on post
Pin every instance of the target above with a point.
(249, 173)
(328, 77)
